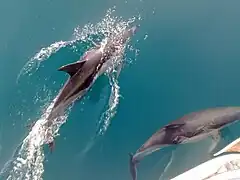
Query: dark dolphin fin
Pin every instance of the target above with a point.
(72, 68)
(133, 167)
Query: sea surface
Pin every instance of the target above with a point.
(184, 57)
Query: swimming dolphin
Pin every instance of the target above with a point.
(84, 72)
(190, 128)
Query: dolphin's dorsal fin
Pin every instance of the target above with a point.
(72, 68)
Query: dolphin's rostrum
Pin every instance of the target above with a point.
(191, 127)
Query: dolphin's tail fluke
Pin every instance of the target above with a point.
(133, 167)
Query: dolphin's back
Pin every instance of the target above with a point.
(93, 62)
(206, 121)
(82, 77)
(190, 127)
(211, 116)
(192, 124)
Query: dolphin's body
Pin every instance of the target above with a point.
(84, 72)
(190, 128)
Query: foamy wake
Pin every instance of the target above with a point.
(109, 25)
(28, 162)
(112, 105)
(33, 64)
(109, 113)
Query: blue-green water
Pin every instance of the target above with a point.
(189, 61)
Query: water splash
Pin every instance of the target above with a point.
(28, 160)
(106, 117)
(28, 164)
(113, 74)
(110, 24)
(108, 114)
(34, 63)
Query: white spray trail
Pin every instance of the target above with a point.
(33, 64)
(106, 117)
(112, 105)
(109, 24)
(113, 102)
(28, 164)
(108, 114)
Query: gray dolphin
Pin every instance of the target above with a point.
(84, 72)
(190, 128)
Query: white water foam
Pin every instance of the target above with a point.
(34, 63)
(112, 105)
(113, 102)
(28, 161)
(28, 164)
(109, 25)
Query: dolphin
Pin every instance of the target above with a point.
(190, 128)
(84, 72)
